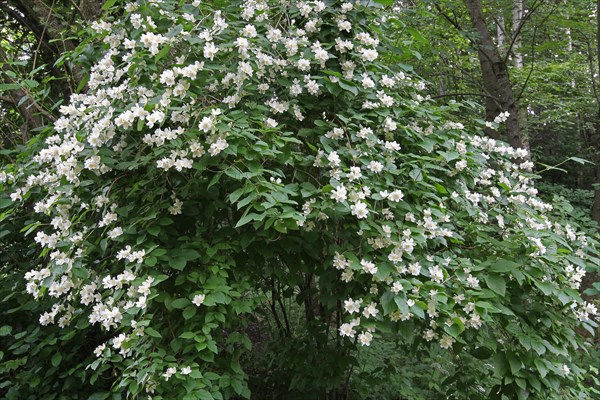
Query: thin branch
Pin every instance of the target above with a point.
(446, 17)
(532, 65)
(42, 35)
(591, 61)
(466, 94)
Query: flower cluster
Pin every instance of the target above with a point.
(411, 208)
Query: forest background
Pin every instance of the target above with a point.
(538, 61)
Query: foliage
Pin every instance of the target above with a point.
(228, 155)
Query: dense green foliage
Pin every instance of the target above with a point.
(259, 199)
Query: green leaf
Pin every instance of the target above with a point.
(5, 202)
(234, 197)
(56, 359)
(579, 160)
(178, 263)
(154, 230)
(413, 32)
(514, 363)
(99, 396)
(540, 365)
(203, 395)
(180, 303)
(440, 188)
(238, 386)
(387, 302)
(5, 330)
(150, 261)
(402, 305)
(348, 86)
(162, 53)
(189, 312)
(9, 86)
(246, 219)
(108, 4)
(187, 254)
(152, 332)
(504, 266)
(496, 283)
(456, 328)
(546, 287)
(482, 353)
(187, 335)
(416, 174)
(31, 83)
(500, 365)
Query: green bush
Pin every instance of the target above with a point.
(228, 155)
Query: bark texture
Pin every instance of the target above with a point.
(515, 33)
(496, 80)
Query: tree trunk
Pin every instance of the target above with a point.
(516, 36)
(500, 34)
(496, 80)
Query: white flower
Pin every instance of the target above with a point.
(368, 54)
(369, 267)
(167, 78)
(446, 342)
(370, 310)
(249, 31)
(170, 371)
(359, 210)
(472, 281)
(347, 330)
(460, 165)
(367, 82)
(414, 268)
(339, 261)
(199, 299)
(99, 350)
(175, 209)
(364, 133)
(437, 275)
(375, 167)
(395, 196)
(115, 233)
(389, 125)
(207, 124)
(365, 338)
(334, 159)
(352, 306)
(185, 371)
(354, 174)
(397, 287)
(339, 194)
(218, 146)
(210, 50)
(304, 64)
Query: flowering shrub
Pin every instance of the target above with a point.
(224, 145)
